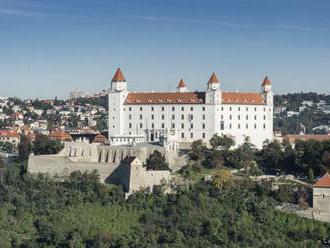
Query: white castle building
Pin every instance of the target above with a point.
(184, 116)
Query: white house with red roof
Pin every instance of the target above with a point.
(190, 115)
(321, 196)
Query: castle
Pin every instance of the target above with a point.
(184, 116)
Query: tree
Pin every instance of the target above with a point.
(156, 161)
(246, 154)
(310, 175)
(223, 142)
(24, 147)
(222, 178)
(197, 149)
(44, 145)
(2, 162)
(271, 156)
(326, 161)
(8, 147)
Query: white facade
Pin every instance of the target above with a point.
(190, 115)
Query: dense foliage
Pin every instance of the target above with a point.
(37, 211)
(306, 159)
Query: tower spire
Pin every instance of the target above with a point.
(266, 81)
(182, 86)
(213, 79)
(119, 76)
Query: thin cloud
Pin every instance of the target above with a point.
(229, 24)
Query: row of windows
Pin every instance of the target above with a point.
(163, 108)
(246, 117)
(192, 108)
(222, 126)
(191, 117)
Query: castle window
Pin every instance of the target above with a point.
(239, 117)
(221, 117)
(141, 125)
(130, 125)
(191, 117)
(247, 109)
(239, 126)
(140, 117)
(152, 117)
(163, 117)
(182, 125)
(130, 116)
(182, 108)
(173, 117)
(264, 126)
(221, 108)
(162, 108)
(152, 125)
(230, 117)
(203, 126)
(192, 108)
(141, 108)
(203, 135)
(182, 135)
(255, 126)
(230, 109)
(264, 109)
(264, 117)
(182, 117)
(173, 125)
(191, 126)
(129, 109)
(222, 125)
(247, 117)
(255, 117)
(173, 108)
(203, 108)
(239, 108)
(230, 126)
(203, 117)
(163, 125)
(247, 126)
(191, 135)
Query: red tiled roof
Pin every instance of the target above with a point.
(8, 133)
(323, 182)
(166, 98)
(60, 135)
(192, 98)
(242, 98)
(266, 81)
(100, 139)
(119, 76)
(213, 79)
(182, 84)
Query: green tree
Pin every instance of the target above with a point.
(197, 150)
(44, 145)
(224, 142)
(24, 147)
(222, 178)
(156, 161)
(246, 154)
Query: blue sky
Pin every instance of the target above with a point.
(48, 48)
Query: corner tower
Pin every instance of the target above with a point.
(213, 93)
(182, 87)
(117, 96)
(267, 92)
(118, 82)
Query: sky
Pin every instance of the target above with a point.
(49, 48)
